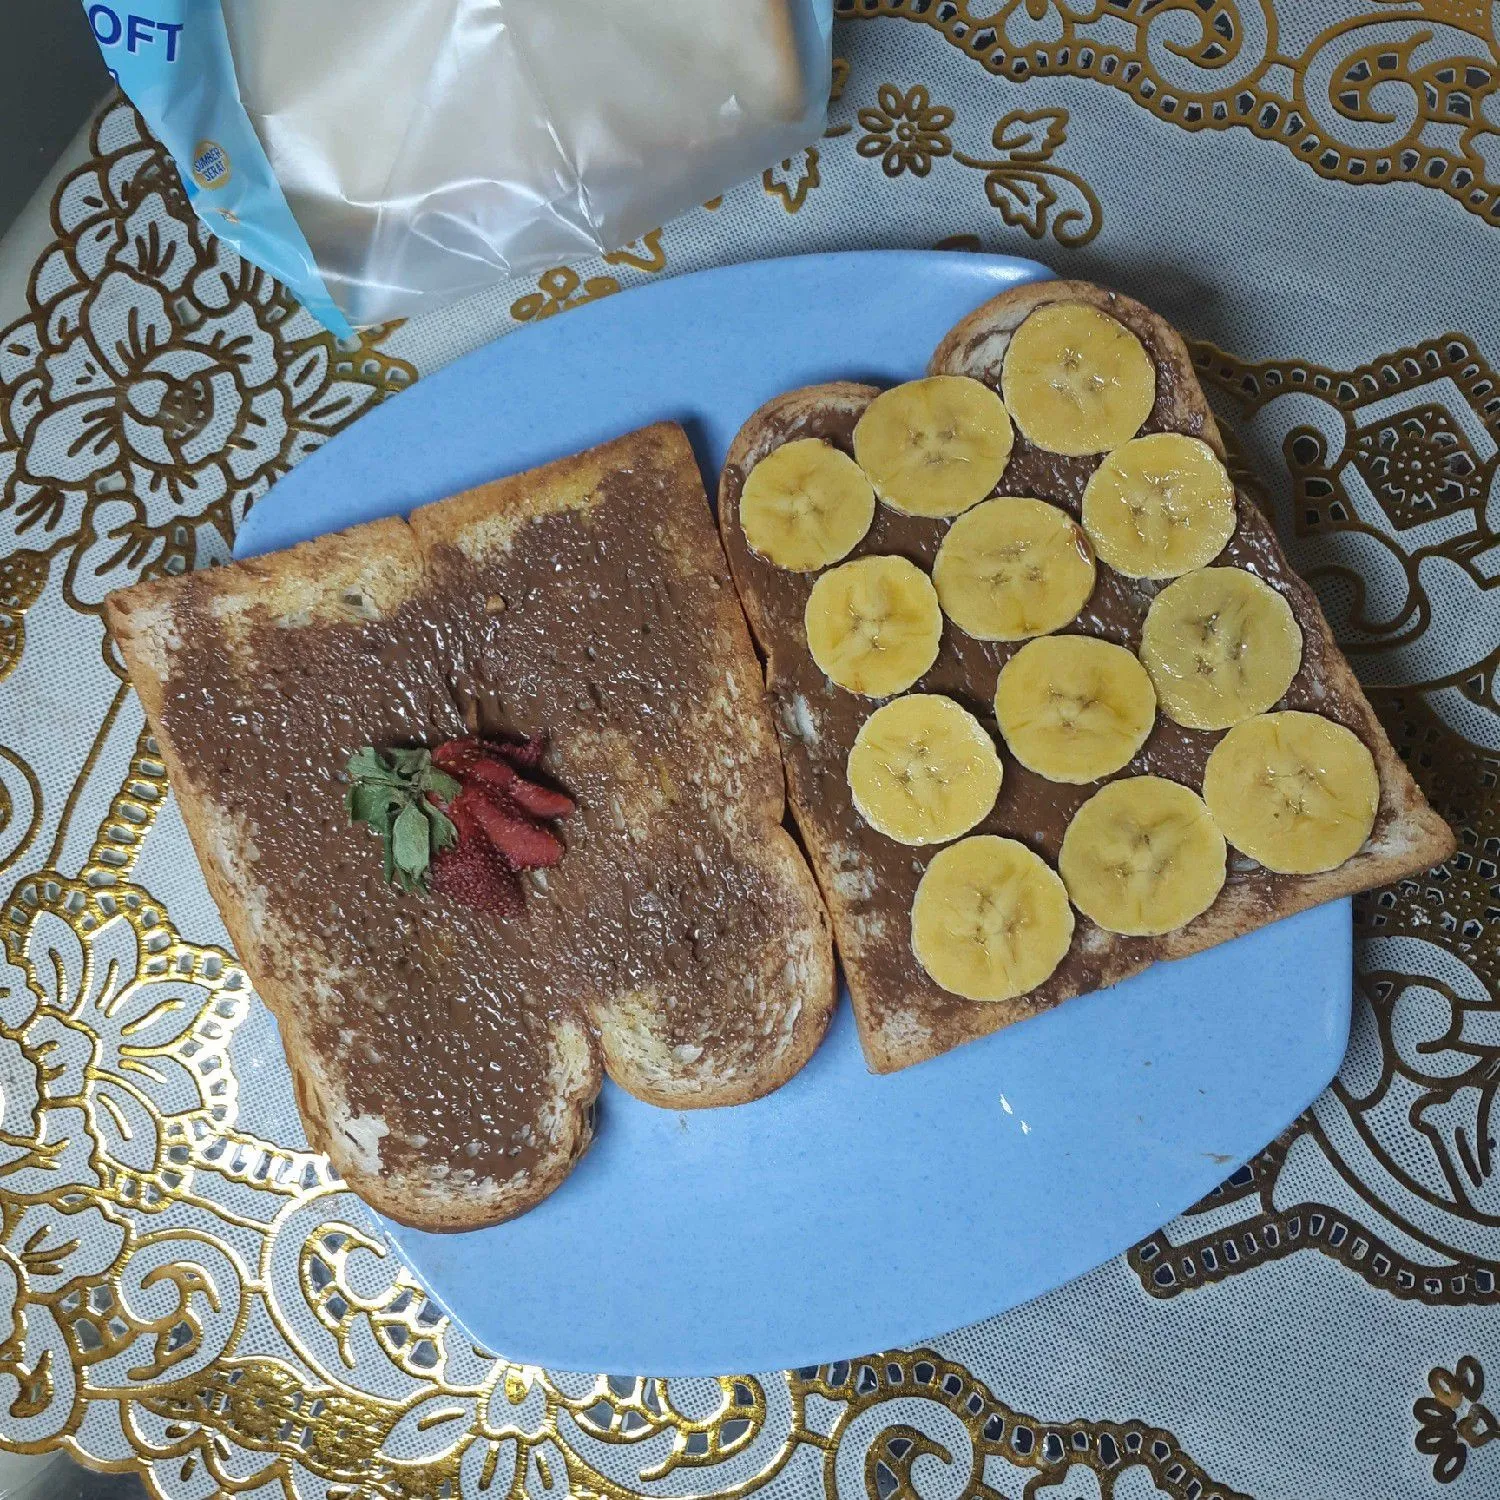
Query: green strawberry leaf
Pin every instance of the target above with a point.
(440, 783)
(410, 764)
(367, 764)
(411, 839)
(370, 802)
(443, 835)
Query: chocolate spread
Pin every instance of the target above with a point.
(818, 721)
(593, 627)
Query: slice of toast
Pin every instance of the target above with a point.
(868, 880)
(446, 1059)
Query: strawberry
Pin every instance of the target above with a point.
(456, 756)
(487, 769)
(490, 771)
(539, 801)
(463, 820)
(474, 872)
(524, 843)
(400, 794)
(527, 754)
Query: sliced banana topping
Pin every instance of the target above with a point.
(1221, 646)
(923, 770)
(1013, 568)
(1077, 380)
(990, 919)
(1159, 506)
(1142, 856)
(1295, 791)
(1072, 708)
(874, 625)
(806, 505)
(934, 447)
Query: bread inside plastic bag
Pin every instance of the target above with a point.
(429, 148)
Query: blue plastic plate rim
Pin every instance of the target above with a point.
(846, 1212)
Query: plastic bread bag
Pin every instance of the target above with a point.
(384, 157)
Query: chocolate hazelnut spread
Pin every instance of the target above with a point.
(818, 721)
(591, 626)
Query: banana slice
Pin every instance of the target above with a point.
(1221, 646)
(934, 447)
(1295, 791)
(1073, 708)
(1159, 506)
(1142, 856)
(1013, 568)
(874, 625)
(1076, 380)
(806, 505)
(990, 919)
(922, 770)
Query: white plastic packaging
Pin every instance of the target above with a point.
(430, 148)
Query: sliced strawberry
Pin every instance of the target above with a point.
(524, 755)
(525, 845)
(491, 771)
(501, 776)
(477, 876)
(456, 756)
(474, 872)
(465, 824)
(539, 801)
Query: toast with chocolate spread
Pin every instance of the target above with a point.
(667, 931)
(871, 880)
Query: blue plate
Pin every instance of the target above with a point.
(845, 1213)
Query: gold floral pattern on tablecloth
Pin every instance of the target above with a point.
(1452, 1419)
(558, 289)
(793, 178)
(186, 1295)
(1217, 65)
(159, 384)
(1022, 180)
(908, 132)
(905, 131)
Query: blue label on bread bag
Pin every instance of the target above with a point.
(172, 58)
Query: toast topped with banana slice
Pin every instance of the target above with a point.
(491, 803)
(1053, 704)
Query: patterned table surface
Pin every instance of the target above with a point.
(185, 1290)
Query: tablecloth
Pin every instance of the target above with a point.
(1311, 191)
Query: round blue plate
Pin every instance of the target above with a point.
(846, 1212)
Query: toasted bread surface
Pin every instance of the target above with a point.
(446, 1059)
(868, 881)
(684, 785)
